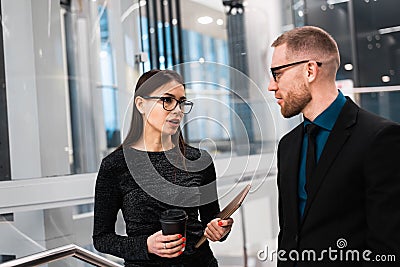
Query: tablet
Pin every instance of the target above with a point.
(229, 210)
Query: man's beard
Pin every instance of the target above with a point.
(295, 101)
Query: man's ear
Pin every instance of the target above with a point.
(139, 104)
(312, 71)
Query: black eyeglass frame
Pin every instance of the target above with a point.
(274, 69)
(180, 102)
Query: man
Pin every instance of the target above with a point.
(339, 183)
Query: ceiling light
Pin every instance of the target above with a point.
(348, 66)
(389, 30)
(220, 22)
(205, 20)
(103, 54)
(385, 79)
(334, 2)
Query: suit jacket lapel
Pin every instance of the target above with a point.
(290, 162)
(336, 140)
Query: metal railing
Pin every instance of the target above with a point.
(59, 253)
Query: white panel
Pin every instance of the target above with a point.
(44, 193)
(132, 42)
(51, 91)
(21, 89)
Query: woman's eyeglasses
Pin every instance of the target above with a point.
(170, 103)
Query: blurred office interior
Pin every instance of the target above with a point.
(68, 69)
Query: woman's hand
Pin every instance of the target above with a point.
(167, 246)
(217, 229)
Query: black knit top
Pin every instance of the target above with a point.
(117, 188)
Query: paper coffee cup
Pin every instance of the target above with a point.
(173, 222)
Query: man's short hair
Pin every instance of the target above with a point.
(311, 41)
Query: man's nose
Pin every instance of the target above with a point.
(272, 86)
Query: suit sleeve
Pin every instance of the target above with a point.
(280, 212)
(382, 172)
(107, 203)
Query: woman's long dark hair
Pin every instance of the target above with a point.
(148, 83)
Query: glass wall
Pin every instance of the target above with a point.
(108, 84)
(368, 37)
(70, 68)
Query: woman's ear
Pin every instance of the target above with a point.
(139, 104)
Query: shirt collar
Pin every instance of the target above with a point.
(328, 117)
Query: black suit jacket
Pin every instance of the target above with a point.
(354, 196)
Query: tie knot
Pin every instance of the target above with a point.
(312, 129)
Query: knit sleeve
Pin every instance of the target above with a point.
(107, 203)
(209, 211)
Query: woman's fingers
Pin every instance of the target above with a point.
(225, 223)
(172, 249)
(168, 246)
(165, 244)
(217, 228)
(169, 238)
(212, 231)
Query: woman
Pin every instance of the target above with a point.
(129, 180)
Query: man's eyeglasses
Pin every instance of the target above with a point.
(276, 74)
(170, 103)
